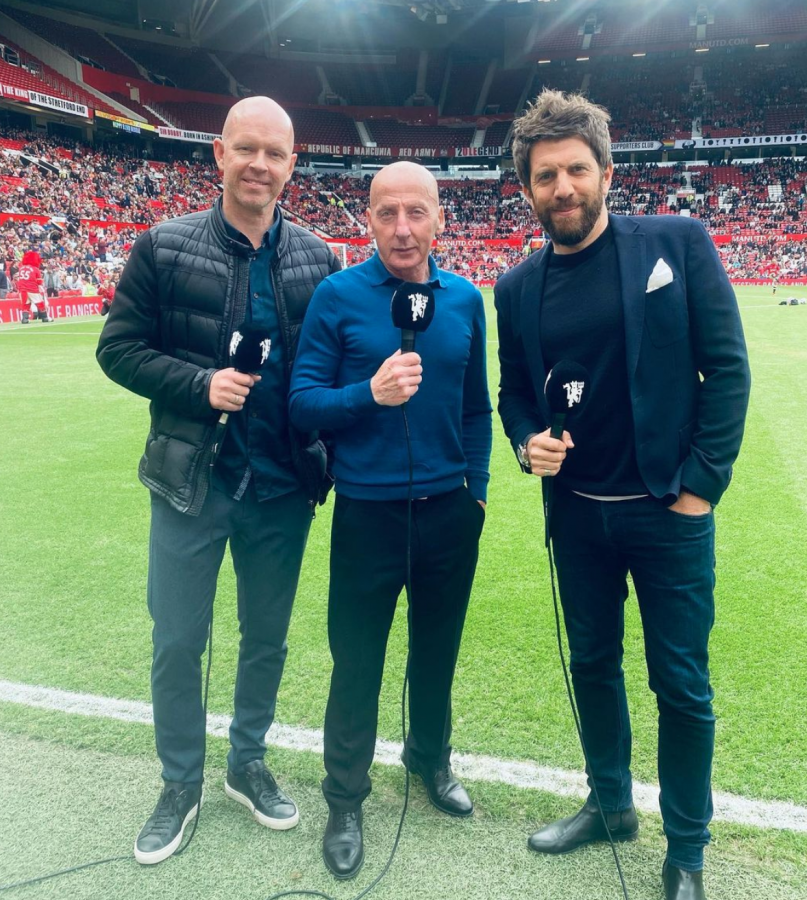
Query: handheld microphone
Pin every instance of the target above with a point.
(249, 350)
(566, 390)
(412, 311)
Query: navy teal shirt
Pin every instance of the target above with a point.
(347, 334)
(256, 446)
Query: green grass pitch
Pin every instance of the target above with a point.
(73, 527)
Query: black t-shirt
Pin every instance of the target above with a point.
(582, 320)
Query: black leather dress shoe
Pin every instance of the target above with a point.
(585, 827)
(682, 885)
(445, 792)
(343, 844)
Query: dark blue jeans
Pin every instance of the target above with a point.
(267, 540)
(670, 558)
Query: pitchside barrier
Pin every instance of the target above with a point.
(60, 308)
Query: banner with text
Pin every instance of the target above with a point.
(635, 146)
(60, 308)
(396, 152)
(180, 134)
(12, 92)
(755, 140)
(59, 104)
(122, 120)
(780, 238)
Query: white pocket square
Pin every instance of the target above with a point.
(661, 275)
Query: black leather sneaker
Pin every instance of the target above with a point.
(258, 791)
(162, 834)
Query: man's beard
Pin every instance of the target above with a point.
(569, 233)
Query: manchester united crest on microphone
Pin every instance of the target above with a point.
(419, 303)
(574, 392)
(266, 346)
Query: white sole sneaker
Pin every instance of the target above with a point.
(261, 818)
(157, 856)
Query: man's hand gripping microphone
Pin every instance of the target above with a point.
(249, 350)
(399, 376)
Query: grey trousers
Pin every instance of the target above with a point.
(267, 540)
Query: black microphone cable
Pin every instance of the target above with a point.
(303, 892)
(113, 859)
(547, 490)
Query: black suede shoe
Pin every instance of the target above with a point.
(445, 792)
(585, 827)
(258, 791)
(682, 885)
(161, 836)
(343, 843)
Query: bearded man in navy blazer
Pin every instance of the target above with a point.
(644, 304)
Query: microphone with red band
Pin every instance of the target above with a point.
(249, 350)
(412, 311)
(566, 390)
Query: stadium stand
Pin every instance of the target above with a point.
(756, 211)
(464, 87)
(134, 106)
(505, 89)
(755, 204)
(387, 133)
(33, 75)
(187, 67)
(371, 85)
(496, 133)
(206, 117)
(82, 43)
(288, 81)
(435, 73)
(319, 126)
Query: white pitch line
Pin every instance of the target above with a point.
(738, 810)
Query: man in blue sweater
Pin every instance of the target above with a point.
(350, 379)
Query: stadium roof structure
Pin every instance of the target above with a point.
(202, 21)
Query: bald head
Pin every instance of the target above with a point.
(262, 109)
(404, 218)
(255, 154)
(400, 175)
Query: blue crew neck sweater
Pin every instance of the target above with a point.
(347, 334)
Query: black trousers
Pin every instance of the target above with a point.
(368, 572)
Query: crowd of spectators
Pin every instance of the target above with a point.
(719, 97)
(756, 205)
(85, 260)
(765, 258)
(74, 179)
(475, 209)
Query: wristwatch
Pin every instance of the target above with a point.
(523, 458)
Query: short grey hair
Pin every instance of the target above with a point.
(553, 116)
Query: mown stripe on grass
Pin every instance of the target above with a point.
(728, 807)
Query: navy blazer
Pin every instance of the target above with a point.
(686, 356)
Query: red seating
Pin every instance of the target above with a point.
(80, 42)
(47, 82)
